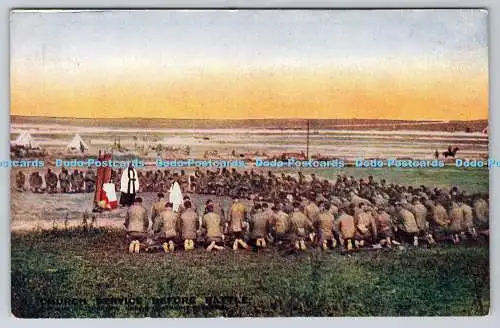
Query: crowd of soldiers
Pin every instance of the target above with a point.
(299, 213)
(66, 182)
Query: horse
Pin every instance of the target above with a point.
(450, 153)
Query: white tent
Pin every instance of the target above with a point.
(25, 140)
(76, 143)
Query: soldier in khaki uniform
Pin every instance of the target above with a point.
(325, 225)
(136, 225)
(64, 180)
(259, 227)
(407, 227)
(213, 224)
(237, 215)
(439, 219)
(347, 228)
(51, 181)
(311, 210)
(36, 182)
(468, 218)
(457, 226)
(20, 181)
(300, 227)
(280, 225)
(366, 226)
(158, 207)
(420, 212)
(166, 228)
(189, 225)
(481, 212)
(384, 228)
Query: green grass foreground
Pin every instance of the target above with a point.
(89, 274)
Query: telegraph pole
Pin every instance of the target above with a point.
(307, 145)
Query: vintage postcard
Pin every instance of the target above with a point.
(249, 163)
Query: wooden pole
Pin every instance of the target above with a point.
(307, 145)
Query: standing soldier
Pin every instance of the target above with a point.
(20, 181)
(64, 180)
(136, 225)
(213, 224)
(89, 181)
(166, 228)
(237, 215)
(51, 181)
(80, 182)
(325, 223)
(189, 225)
(74, 180)
(301, 225)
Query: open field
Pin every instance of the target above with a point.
(79, 269)
(232, 139)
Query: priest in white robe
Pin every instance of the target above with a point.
(175, 196)
(129, 186)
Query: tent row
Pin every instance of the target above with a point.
(27, 141)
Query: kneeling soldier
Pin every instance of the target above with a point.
(259, 227)
(136, 225)
(325, 224)
(166, 228)
(213, 224)
(189, 226)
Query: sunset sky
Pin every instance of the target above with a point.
(399, 64)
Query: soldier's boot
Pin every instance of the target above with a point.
(137, 246)
(324, 245)
(297, 245)
(415, 241)
(131, 246)
(473, 232)
(311, 236)
(361, 243)
(356, 244)
(349, 245)
(211, 246)
(242, 243)
(186, 244)
(263, 243)
(303, 245)
(388, 242)
(219, 248)
(165, 248)
(171, 246)
(235, 245)
(395, 242)
(334, 243)
(191, 244)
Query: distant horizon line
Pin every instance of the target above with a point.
(248, 119)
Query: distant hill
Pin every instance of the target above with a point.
(347, 124)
